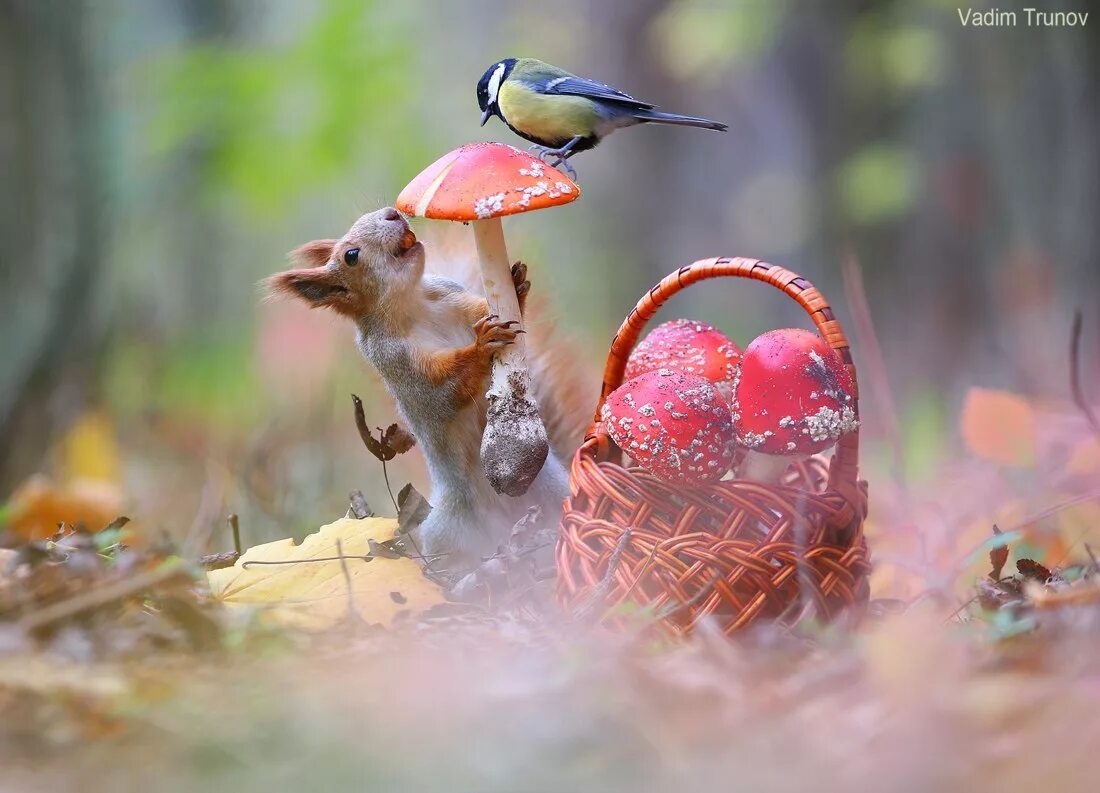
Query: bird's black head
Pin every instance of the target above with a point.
(489, 85)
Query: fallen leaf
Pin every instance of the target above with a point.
(398, 439)
(391, 441)
(999, 426)
(412, 508)
(314, 595)
(998, 556)
(40, 504)
(1031, 569)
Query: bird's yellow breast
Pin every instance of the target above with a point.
(553, 119)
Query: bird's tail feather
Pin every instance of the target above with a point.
(657, 117)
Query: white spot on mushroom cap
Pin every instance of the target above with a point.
(489, 205)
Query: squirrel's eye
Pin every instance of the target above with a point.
(351, 257)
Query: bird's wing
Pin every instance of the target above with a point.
(579, 86)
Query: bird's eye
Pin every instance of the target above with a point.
(351, 257)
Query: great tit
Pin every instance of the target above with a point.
(561, 113)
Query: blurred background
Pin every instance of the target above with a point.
(159, 157)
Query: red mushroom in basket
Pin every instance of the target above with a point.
(793, 397)
(689, 346)
(479, 183)
(675, 425)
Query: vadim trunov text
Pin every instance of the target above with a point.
(1025, 17)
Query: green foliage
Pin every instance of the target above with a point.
(924, 428)
(211, 380)
(877, 183)
(699, 40)
(893, 58)
(350, 80)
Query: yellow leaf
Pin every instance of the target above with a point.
(89, 449)
(999, 426)
(314, 595)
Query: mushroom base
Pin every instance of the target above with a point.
(514, 446)
(767, 469)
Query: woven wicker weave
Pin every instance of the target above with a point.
(737, 550)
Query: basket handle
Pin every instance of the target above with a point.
(844, 466)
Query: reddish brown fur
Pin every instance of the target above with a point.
(566, 395)
(313, 254)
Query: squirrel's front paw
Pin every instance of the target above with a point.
(519, 280)
(492, 334)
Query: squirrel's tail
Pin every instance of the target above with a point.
(566, 385)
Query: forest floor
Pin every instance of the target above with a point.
(976, 665)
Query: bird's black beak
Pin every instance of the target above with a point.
(485, 116)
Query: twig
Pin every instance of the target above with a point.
(596, 598)
(957, 612)
(872, 357)
(362, 558)
(1095, 563)
(219, 561)
(641, 571)
(340, 558)
(1075, 374)
(672, 608)
(386, 478)
(235, 526)
(352, 612)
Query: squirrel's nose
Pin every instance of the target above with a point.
(389, 213)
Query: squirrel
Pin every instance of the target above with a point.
(433, 341)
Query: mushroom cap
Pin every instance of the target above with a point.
(675, 425)
(485, 180)
(688, 346)
(793, 394)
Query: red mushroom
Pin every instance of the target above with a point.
(793, 397)
(688, 346)
(480, 183)
(675, 425)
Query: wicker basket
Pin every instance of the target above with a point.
(736, 551)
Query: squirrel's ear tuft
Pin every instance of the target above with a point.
(316, 288)
(313, 254)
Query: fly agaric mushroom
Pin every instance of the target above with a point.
(480, 183)
(792, 398)
(688, 346)
(675, 425)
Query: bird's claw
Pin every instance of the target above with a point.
(564, 164)
(555, 158)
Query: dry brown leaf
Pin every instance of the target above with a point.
(999, 426)
(392, 441)
(314, 595)
(998, 557)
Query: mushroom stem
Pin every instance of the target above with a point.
(514, 445)
(767, 469)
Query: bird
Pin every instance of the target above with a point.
(561, 113)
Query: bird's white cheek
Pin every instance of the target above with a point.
(494, 83)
